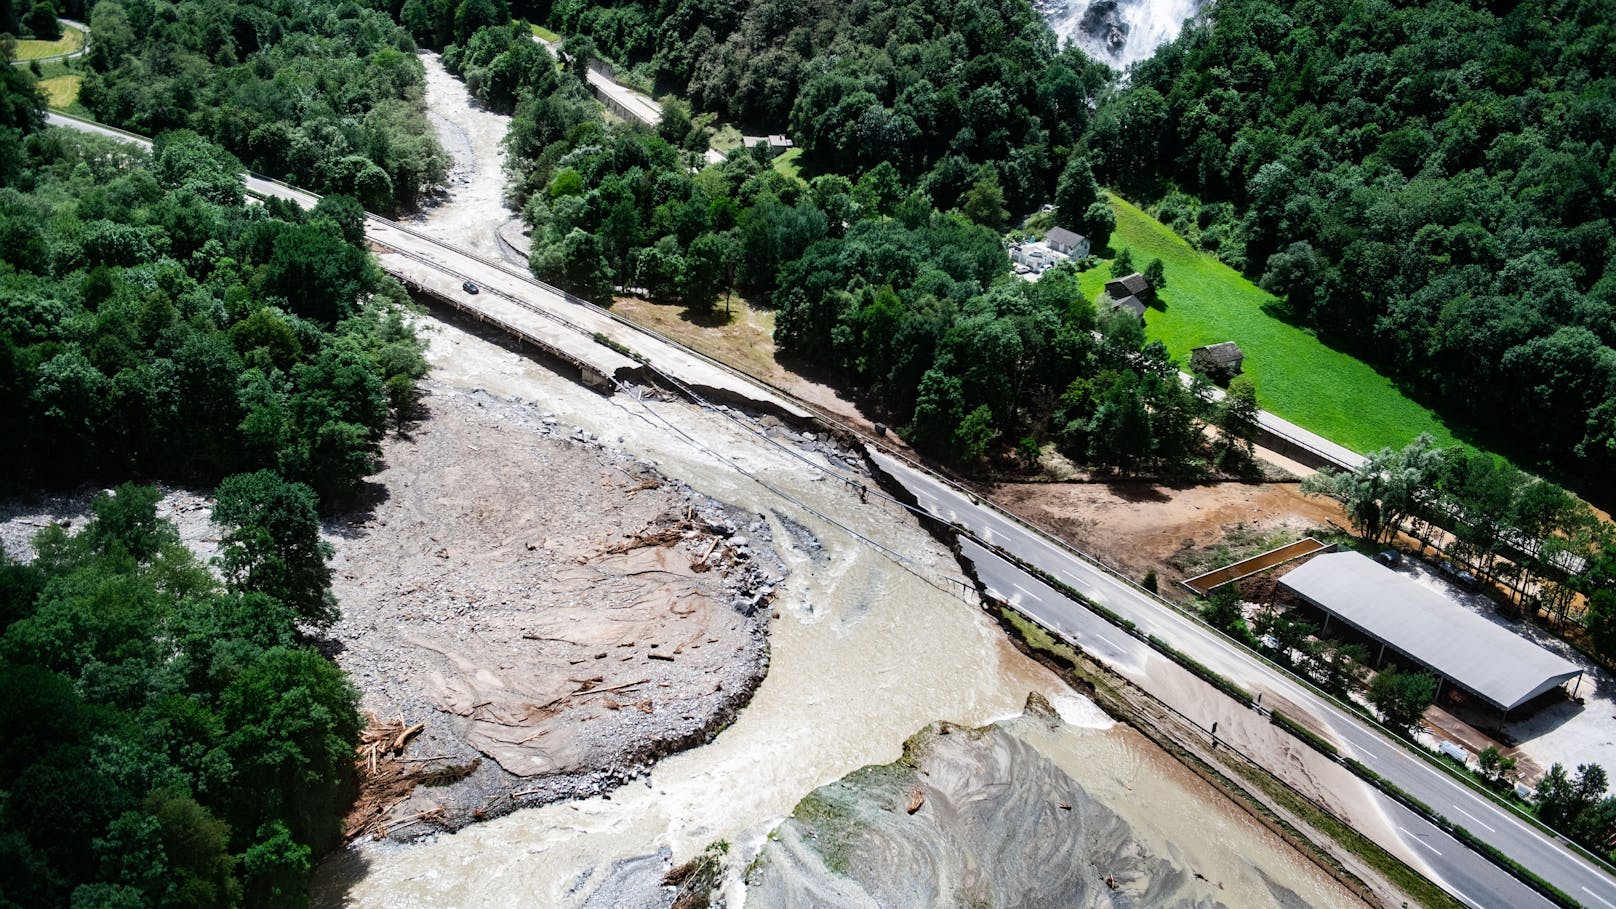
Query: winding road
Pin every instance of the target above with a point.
(84, 46)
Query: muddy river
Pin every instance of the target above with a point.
(877, 636)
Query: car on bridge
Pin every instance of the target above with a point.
(469, 287)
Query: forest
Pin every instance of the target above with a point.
(156, 325)
(1426, 185)
(945, 92)
(174, 738)
(322, 94)
(869, 277)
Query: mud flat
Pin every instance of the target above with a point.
(554, 614)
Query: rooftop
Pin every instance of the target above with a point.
(1063, 236)
(1132, 304)
(1222, 352)
(1133, 284)
(1485, 659)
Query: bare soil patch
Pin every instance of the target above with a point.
(744, 340)
(1137, 527)
(555, 614)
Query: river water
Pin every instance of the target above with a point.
(878, 635)
(1117, 32)
(867, 651)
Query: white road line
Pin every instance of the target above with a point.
(1114, 645)
(1024, 590)
(1599, 898)
(1460, 894)
(1417, 839)
(1474, 818)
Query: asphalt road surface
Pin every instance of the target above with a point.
(1548, 857)
(1471, 878)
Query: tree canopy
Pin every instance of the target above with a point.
(1427, 185)
(171, 742)
(154, 323)
(322, 94)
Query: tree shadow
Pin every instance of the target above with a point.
(1137, 491)
(335, 876)
(716, 317)
(354, 512)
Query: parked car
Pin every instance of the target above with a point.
(469, 287)
(1391, 558)
(1458, 575)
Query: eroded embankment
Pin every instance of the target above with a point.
(555, 614)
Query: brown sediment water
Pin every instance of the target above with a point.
(868, 648)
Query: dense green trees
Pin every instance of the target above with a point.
(937, 89)
(915, 306)
(173, 740)
(325, 95)
(42, 21)
(1401, 698)
(1426, 184)
(154, 323)
(1386, 489)
(1531, 537)
(170, 742)
(502, 65)
(1578, 806)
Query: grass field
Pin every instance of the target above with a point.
(786, 163)
(61, 92)
(1297, 376)
(72, 39)
(544, 34)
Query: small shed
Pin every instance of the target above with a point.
(1072, 244)
(1132, 304)
(1218, 362)
(1133, 285)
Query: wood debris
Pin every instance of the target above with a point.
(387, 778)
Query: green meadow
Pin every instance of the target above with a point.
(1297, 376)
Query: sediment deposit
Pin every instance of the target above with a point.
(976, 817)
(557, 614)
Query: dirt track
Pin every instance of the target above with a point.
(1140, 526)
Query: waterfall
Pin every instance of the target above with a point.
(1117, 32)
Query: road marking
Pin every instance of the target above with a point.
(1417, 839)
(1027, 592)
(1474, 818)
(1114, 646)
(1463, 898)
(1599, 898)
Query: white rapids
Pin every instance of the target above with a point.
(1119, 33)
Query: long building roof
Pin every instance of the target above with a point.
(1490, 661)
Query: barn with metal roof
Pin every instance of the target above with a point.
(1484, 659)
